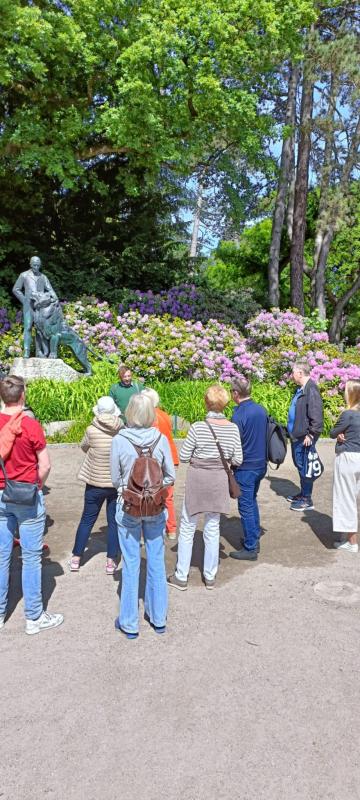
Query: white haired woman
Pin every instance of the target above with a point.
(207, 488)
(346, 487)
(162, 422)
(95, 471)
(140, 438)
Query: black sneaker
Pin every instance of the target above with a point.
(302, 505)
(293, 498)
(174, 581)
(244, 555)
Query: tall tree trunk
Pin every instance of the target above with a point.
(336, 324)
(291, 195)
(322, 237)
(301, 191)
(197, 220)
(328, 217)
(280, 202)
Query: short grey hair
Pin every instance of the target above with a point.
(242, 386)
(140, 412)
(303, 365)
(152, 395)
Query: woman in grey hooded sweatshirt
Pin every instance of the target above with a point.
(95, 471)
(140, 435)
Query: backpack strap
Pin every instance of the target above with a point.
(150, 448)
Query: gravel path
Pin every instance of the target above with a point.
(252, 693)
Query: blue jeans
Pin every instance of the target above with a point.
(94, 499)
(298, 451)
(30, 520)
(249, 481)
(156, 591)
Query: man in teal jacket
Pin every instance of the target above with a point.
(125, 388)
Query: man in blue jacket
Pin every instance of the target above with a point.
(251, 419)
(305, 424)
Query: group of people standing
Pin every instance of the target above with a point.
(127, 446)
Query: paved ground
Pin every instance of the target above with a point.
(253, 693)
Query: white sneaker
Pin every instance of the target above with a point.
(2, 622)
(351, 548)
(45, 621)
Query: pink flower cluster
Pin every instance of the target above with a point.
(271, 327)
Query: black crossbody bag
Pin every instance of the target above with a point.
(18, 492)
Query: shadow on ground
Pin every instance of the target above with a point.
(50, 572)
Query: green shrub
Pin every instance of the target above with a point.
(53, 401)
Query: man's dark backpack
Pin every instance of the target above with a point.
(276, 442)
(145, 494)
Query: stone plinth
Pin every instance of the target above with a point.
(54, 369)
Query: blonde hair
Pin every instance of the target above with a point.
(352, 394)
(140, 412)
(152, 395)
(216, 398)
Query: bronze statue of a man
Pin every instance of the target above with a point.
(28, 284)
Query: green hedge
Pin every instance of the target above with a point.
(52, 400)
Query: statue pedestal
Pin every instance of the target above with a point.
(54, 369)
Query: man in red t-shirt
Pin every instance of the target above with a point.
(28, 462)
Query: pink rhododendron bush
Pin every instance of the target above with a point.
(163, 347)
(169, 349)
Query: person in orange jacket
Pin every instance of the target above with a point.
(163, 424)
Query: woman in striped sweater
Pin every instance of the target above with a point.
(206, 488)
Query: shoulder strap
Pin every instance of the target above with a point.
(223, 459)
(2, 467)
(140, 450)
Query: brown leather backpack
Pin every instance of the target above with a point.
(145, 494)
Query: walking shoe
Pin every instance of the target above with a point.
(126, 633)
(45, 621)
(302, 505)
(257, 548)
(209, 583)
(171, 536)
(157, 628)
(244, 555)
(293, 498)
(174, 581)
(2, 622)
(351, 548)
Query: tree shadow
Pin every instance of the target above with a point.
(50, 571)
(318, 522)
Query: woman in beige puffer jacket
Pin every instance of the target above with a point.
(95, 471)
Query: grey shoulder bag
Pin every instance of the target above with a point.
(19, 493)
